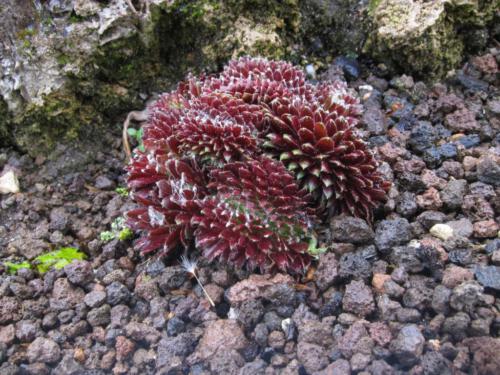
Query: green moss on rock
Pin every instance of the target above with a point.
(424, 38)
(5, 136)
(62, 118)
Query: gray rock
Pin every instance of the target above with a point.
(21, 290)
(95, 298)
(456, 325)
(68, 365)
(249, 312)
(142, 332)
(316, 332)
(99, 316)
(117, 293)
(375, 120)
(59, 219)
(26, 330)
(429, 218)
(358, 299)
(339, 367)
(441, 299)
(488, 276)
(466, 296)
(354, 266)
(407, 315)
(418, 297)
(433, 363)
(462, 227)
(175, 326)
(422, 136)
(65, 296)
(406, 204)
(260, 333)
(332, 303)
(313, 357)
(391, 233)
(79, 272)
(43, 350)
(327, 272)
(181, 345)
(172, 278)
(488, 170)
(380, 367)
(408, 345)
(349, 66)
(49, 320)
(351, 229)
(453, 194)
(258, 366)
(359, 361)
(407, 257)
(104, 183)
(356, 340)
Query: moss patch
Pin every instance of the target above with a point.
(5, 136)
(424, 38)
(62, 118)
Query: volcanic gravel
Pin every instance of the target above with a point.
(415, 292)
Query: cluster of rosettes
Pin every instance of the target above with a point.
(241, 165)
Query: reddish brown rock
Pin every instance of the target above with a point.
(486, 64)
(486, 229)
(220, 339)
(430, 179)
(257, 286)
(390, 153)
(10, 310)
(430, 200)
(462, 120)
(123, 347)
(7, 334)
(477, 208)
(380, 333)
(486, 360)
(454, 276)
(378, 281)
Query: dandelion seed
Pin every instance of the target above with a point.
(190, 266)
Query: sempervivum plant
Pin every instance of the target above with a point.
(258, 216)
(242, 165)
(169, 193)
(322, 148)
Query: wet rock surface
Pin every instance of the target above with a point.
(416, 291)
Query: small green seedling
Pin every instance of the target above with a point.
(106, 236)
(313, 250)
(122, 191)
(118, 230)
(57, 259)
(125, 234)
(12, 267)
(137, 135)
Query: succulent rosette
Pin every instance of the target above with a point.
(327, 157)
(243, 164)
(168, 193)
(257, 216)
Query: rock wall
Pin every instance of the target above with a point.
(71, 69)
